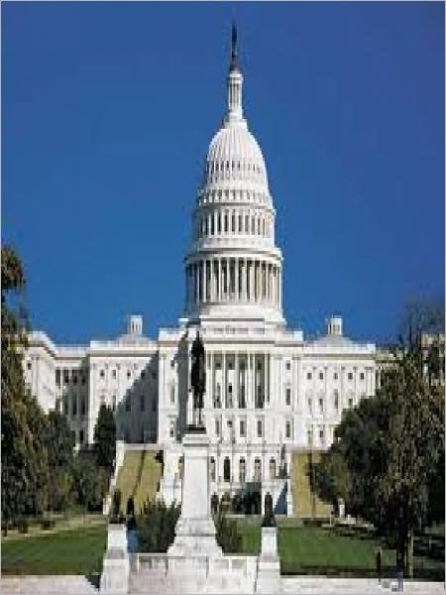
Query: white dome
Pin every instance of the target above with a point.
(234, 154)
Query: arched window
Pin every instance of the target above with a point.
(242, 470)
(227, 469)
(272, 468)
(212, 469)
(257, 470)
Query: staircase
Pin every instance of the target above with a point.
(139, 477)
(306, 504)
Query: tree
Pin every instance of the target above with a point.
(393, 444)
(59, 444)
(24, 457)
(105, 438)
(89, 484)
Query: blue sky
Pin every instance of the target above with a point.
(108, 110)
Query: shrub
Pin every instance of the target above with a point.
(47, 524)
(228, 536)
(22, 525)
(156, 526)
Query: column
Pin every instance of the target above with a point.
(245, 280)
(223, 383)
(248, 381)
(236, 263)
(265, 379)
(219, 280)
(237, 380)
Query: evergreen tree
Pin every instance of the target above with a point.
(24, 457)
(59, 443)
(105, 438)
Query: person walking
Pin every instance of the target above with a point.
(378, 560)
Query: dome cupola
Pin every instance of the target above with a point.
(233, 267)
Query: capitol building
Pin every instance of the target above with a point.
(269, 391)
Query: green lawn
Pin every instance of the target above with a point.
(306, 549)
(76, 551)
(317, 550)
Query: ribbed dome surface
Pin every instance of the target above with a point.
(234, 154)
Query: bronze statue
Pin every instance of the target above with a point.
(198, 376)
(268, 518)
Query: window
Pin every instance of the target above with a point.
(74, 378)
(308, 375)
(257, 470)
(288, 396)
(172, 363)
(172, 428)
(335, 376)
(143, 374)
(321, 375)
(310, 437)
(336, 400)
(172, 394)
(321, 404)
(217, 427)
(310, 404)
(29, 365)
(141, 403)
(361, 376)
(350, 376)
(102, 373)
(83, 378)
(272, 468)
(321, 435)
(114, 372)
(74, 409)
(288, 365)
(114, 402)
(259, 428)
(226, 469)
(242, 428)
(66, 377)
(350, 402)
(242, 470)
(83, 406)
(212, 465)
(288, 429)
(81, 436)
(129, 374)
(65, 406)
(57, 376)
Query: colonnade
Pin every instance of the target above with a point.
(237, 380)
(233, 279)
(233, 221)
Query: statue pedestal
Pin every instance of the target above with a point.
(195, 530)
(268, 566)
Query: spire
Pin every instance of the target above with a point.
(234, 65)
(235, 81)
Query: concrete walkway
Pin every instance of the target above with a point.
(305, 585)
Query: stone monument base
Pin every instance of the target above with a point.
(268, 566)
(116, 567)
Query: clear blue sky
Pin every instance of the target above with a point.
(108, 110)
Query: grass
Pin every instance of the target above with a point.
(306, 550)
(71, 551)
(317, 550)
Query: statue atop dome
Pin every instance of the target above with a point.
(234, 56)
